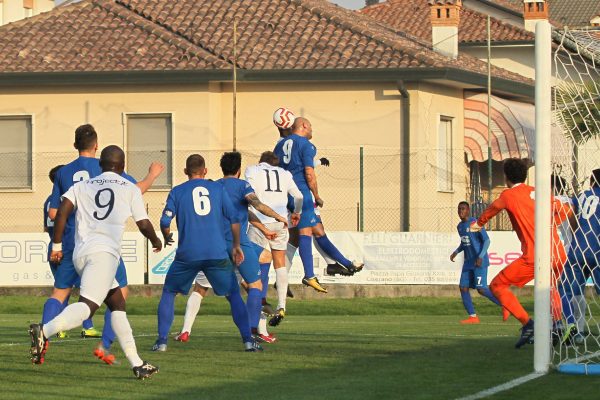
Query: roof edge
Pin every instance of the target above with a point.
(53, 79)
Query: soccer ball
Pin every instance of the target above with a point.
(283, 118)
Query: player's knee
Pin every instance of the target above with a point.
(463, 289)
(481, 291)
(93, 306)
(125, 292)
(61, 294)
(265, 257)
(256, 285)
(115, 300)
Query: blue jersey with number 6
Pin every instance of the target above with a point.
(585, 206)
(200, 208)
(295, 153)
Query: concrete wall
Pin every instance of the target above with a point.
(13, 10)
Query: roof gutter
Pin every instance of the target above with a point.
(53, 79)
(501, 8)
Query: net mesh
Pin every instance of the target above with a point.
(576, 154)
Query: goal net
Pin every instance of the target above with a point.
(575, 157)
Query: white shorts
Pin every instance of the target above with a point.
(279, 243)
(97, 271)
(202, 281)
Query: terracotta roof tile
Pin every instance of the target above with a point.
(413, 16)
(117, 35)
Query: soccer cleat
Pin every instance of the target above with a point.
(146, 370)
(314, 283)
(471, 320)
(61, 335)
(289, 293)
(183, 337)
(333, 269)
(269, 338)
(569, 334)
(526, 335)
(505, 314)
(159, 346)
(252, 346)
(355, 267)
(267, 309)
(104, 355)
(278, 317)
(91, 333)
(39, 344)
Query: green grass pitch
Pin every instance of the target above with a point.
(405, 348)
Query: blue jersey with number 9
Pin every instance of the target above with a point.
(295, 153)
(586, 208)
(200, 208)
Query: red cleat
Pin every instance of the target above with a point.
(183, 337)
(270, 338)
(102, 354)
(470, 320)
(505, 314)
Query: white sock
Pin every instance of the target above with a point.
(262, 325)
(71, 317)
(289, 256)
(327, 259)
(579, 308)
(122, 329)
(281, 277)
(191, 310)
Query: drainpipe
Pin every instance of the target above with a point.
(404, 157)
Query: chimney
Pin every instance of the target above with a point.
(445, 16)
(595, 22)
(534, 11)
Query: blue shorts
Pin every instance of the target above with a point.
(474, 277)
(250, 268)
(66, 277)
(308, 218)
(220, 275)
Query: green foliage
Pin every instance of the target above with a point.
(579, 110)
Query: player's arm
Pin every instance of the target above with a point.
(298, 200)
(54, 199)
(65, 209)
(264, 209)
(254, 221)
(456, 252)
(311, 181)
(140, 216)
(489, 213)
(237, 253)
(485, 240)
(165, 220)
(154, 172)
(562, 211)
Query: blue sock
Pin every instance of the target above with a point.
(567, 307)
(52, 308)
(332, 251)
(240, 315)
(166, 314)
(487, 293)
(467, 302)
(305, 248)
(254, 306)
(108, 335)
(66, 302)
(264, 278)
(88, 324)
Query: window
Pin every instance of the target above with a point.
(445, 154)
(149, 138)
(15, 152)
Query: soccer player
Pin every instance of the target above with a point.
(103, 205)
(582, 260)
(192, 307)
(475, 246)
(84, 167)
(296, 154)
(201, 208)
(273, 185)
(518, 201)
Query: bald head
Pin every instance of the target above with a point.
(302, 127)
(112, 159)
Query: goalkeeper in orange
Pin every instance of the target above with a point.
(519, 202)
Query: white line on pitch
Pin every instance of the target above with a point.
(505, 386)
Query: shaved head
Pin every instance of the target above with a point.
(112, 159)
(302, 127)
